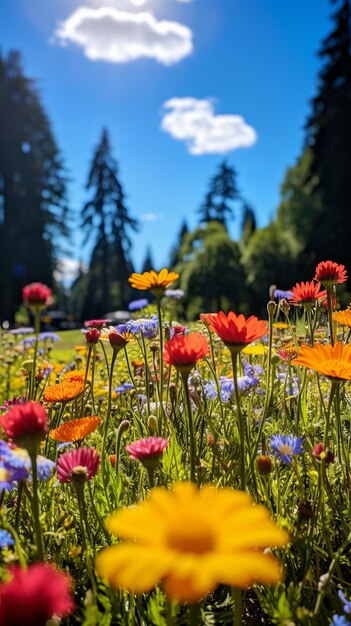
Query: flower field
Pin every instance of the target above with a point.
(179, 475)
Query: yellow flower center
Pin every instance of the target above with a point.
(5, 475)
(285, 449)
(193, 539)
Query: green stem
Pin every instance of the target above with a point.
(109, 404)
(184, 376)
(241, 427)
(160, 328)
(238, 606)
(332, 566)
(35, 505)
(37, 331)
(79, 488)
(330, 313)
(327, 418)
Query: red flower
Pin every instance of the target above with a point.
(92, 336)
(117, 341)
(34, 595)
(183, 351)
(307, 293)
(37, 294)
(330, 273)
(150, 447)
(322, 454)
(237, 332)
(82, 464)
(205, 318)
(99, 324)
(26, 424)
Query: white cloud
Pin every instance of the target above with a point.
(149, 217)
(67, 270)
(195, 122)
(108, 34)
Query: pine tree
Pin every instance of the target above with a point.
(222, 194)
(329, 137)
(248, 224)
(106, 218)
(33, 208)
(175, 252)
(148, 261)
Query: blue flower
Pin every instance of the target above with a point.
(136, 305)
(280, 294)
(286, 446)
(49, 336)
(27, 330)
(210, 391)
(6, 539)
(346, 603)
(340, 620)
(124, 388)
(9, 475)
(18, 459)
(28, 342)
(175, 293)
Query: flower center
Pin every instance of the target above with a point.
(285, 450)
(80, 470)
(192, 539)
(5, 475)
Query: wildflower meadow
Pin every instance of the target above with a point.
(179, 475)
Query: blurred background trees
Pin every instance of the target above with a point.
(312, 221)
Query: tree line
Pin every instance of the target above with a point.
(312, 221)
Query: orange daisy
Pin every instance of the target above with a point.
(343, 317)
(76, 376)
(151, 280)
(75, 430)
(63, 392)
(332, 361)
(236, 331)
(183, 351)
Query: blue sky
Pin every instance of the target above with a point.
(211, 60)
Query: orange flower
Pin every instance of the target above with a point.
(307, 293)
(63, 392)
(332, 361)
(330, 273)
(205, 318)
(343, 317)
(76, 376)
(75, 430)
(183, 351)
(151, 280)
(237, 332)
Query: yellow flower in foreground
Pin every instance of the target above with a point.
(332, 361)
(151, 280)
(192, 540)
(343, 317)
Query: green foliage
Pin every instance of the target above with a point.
(210, 270)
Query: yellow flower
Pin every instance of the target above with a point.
(151, 280)
(258, 350)
(192, 540)
(280, 325)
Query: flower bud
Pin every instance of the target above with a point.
(264, 464)
(117, 341)
(271, 307)
(152, 424)
(92, 336)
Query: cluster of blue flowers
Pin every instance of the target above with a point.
(226, 385)
(148, 327)
(124, 388)
(341, 620)
(15, 465)
(292, 383)
(6, 539)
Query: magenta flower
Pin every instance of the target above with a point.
(145, 449)
(82, 464)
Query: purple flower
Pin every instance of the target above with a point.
(136, 305)
(280, 294)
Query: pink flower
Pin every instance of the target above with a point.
(81, 463)
(25, 423)
(322, 454)
(145, 449)
(92, 336)
(37, 294)
(99, 324)
(33, 596)
(117, 341)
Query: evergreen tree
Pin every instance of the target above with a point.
(175, 252)
(106, 217)
(329, 137)
(33, 209)
(223, 193)
(248, 225)
(148, 261)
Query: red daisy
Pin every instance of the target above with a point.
(330, 273)
(183, 351)
(307, 293)
(236, 331)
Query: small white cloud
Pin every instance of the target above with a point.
(149, 217)
(67, 270)
(108, 34)
(195, 122)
